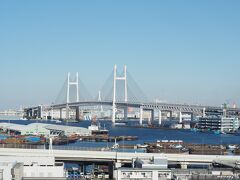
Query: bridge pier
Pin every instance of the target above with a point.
(46, 115)
(52, 113)
(141, 116)
(60, 114)
(151, 118)
(192, 116)
(32, 113)
(67, 112)
(39, 112)
(180, 117)
(152, 115)
(125, 113)
(77, 113)
(159, 117)
(170, 115)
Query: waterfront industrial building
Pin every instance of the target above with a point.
(44, 129)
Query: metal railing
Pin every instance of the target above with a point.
(73, 148)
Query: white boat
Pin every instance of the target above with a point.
(56, 121)
(120, 124)
(142, 145)
(231, 147)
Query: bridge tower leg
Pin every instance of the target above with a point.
(114, 95)
(159, 117)
(115, 78)
(100, 99)
(72, 83)
(125, 84)
(141, 116)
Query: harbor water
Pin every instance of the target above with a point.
(146, 135)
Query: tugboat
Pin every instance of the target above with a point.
(96, 128)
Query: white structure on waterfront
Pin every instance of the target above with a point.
(24, 168)
(44, 129)
(31, 129)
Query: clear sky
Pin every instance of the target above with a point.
(177, 51)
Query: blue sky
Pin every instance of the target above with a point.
(177, 51)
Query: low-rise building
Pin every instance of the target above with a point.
(44, 129)
(22, 169)
(145, 169)
(219, 123)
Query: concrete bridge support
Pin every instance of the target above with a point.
(192, 116)
(60, 114)
(77, 113)
(170, 112)
(151, 118)
(125, 113)
(67, 112)
(159, 117)
(39, 113)
(152, 115)
(52, 113)
(180, 117)
(32, 113)
(141, 116)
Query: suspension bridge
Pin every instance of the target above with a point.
(120, 91)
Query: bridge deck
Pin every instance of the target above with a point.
(112, 156)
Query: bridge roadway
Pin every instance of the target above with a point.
(107, 156)
(160, 106)
(198, 109)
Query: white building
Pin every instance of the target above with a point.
(5, 170)
(219, 123)
(155, 169)
(26, 168)
(44, 172)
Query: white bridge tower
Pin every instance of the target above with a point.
(121, 78)
(72, 83)
(69, 84)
